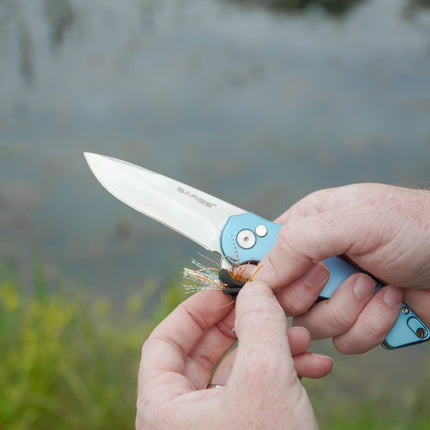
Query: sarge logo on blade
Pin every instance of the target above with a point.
(195, 197)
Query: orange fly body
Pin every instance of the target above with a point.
(240, 273)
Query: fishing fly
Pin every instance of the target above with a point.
(229, 281)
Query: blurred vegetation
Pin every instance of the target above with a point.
(331, 7)
(61, 16)
(70, 362)
(381, 409)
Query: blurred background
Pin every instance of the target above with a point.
(258, 102)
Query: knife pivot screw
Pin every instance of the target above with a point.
(261, 230)
(246, 239)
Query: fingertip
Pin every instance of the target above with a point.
(299, 339)
(299, 331)
(325, 359)
(312, 365)
(364, 287)
(256, 288)
(300, 295)
(392, 296)
(265, 271)
(317, 275)
(326, 364)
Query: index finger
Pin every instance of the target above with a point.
(316, 238)
(165, 351)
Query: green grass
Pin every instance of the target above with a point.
(70, 362)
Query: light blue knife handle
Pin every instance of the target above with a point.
(249, 237)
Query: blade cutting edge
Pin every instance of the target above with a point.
(191, 212)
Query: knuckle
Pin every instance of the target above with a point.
(376, 328)
(292, 240)
(295, 307)
(343, 346)
(370, 333)
(340, 320)
(296, 300)
(225, 328)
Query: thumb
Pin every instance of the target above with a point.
(264, 360)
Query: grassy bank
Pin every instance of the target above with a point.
(67, 362)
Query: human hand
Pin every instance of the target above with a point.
(383, 229)
(260, 388)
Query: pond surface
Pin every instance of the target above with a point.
(256, 105)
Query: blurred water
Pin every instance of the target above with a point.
(258, 108)
(250, 104)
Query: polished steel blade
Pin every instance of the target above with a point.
(193, 213)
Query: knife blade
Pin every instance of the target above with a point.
(191, 212)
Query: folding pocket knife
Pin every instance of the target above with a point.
(219, 226)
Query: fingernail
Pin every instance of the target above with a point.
(363, 288)
(317, 275)
(391, 297)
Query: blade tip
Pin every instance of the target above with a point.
(92, 158)
(89, 155)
